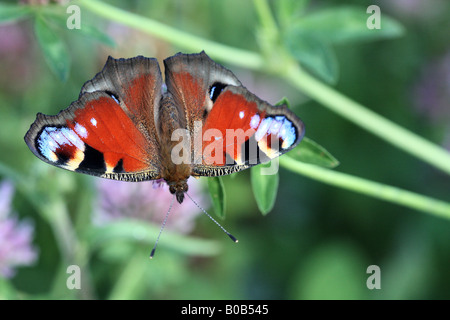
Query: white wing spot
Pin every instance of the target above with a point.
(82, 132)
(254, 121)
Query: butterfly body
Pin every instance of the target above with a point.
(125, 127)
(170, 120)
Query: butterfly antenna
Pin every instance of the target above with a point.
(220, 226)
(162, 227)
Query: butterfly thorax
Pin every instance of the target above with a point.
(171, 128)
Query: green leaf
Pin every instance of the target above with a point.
(92, 32)
(346, 24)
(311, 152)
(53, 48)
(217, 193)
(284, 101)
(13, 12)
(86, 30)
(313, 53)
(265, 187)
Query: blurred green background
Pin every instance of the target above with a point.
(318, 240)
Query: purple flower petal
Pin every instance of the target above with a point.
(147, 201)
(15, 236)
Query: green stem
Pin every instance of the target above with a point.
(180, 38)
(369, 120)
(265, 16)
(374, 189)
(353, 111)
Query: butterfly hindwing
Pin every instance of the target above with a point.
(108, 131)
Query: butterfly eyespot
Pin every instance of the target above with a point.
(215, 90)
(114, 96)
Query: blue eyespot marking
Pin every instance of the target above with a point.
(278, 126)
(53, 138)
(263, 127)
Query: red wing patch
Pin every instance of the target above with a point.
(231, 123)
(93, 136)
(242, 130)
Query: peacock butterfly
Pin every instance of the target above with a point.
(127, 126)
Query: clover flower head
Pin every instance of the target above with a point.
(147, 201)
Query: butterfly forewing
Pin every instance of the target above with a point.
(242, 130)
(109, 131)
